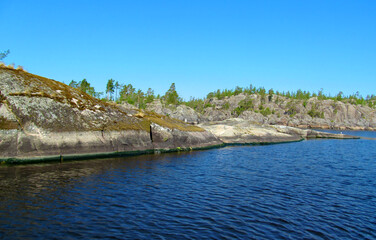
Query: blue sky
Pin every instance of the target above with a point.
(199, 45)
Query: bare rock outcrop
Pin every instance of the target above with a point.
(240, 131)
(181, 112)
(41, 117)
(275, 109)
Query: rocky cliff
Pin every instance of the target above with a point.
(42, 117)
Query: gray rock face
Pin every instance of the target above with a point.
(185, 114)
(157, 107)
(237, 130)
(232, 101)
(241, 131)
(310, 134)
(165, 138)
(277, 110)
(16, 143)
(313, 113)
(253, 116)
(181, 112)
(211, 114)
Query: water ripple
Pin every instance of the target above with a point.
(322, 189)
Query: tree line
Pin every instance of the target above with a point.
(355, 98)
(119, 92)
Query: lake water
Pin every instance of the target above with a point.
(317, 189)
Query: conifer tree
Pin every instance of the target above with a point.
(110, 88)
(117, 87)
(171, 95)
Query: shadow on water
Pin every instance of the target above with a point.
(18, 179)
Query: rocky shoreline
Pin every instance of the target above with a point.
(238, 130)
(45, 120)
(275, 110)
(82, 150)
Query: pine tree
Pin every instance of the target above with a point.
(110, 89)
(171, 95)
(84, 85)
(117, 86)
(150, 95)
(73, 84)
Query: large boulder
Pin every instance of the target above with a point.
(157, 107)
(253, 117)
(181, 112)
(211, 114)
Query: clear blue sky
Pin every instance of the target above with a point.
(200, 45)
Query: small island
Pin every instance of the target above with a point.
(45, 120)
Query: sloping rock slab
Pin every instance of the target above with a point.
(239, 131)
(309, 133)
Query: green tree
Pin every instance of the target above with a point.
(150, 95)
(271, 93)
(140, 99)
(4, 54)
(98, 94)
(171, 95)
(299, 94)
(128, 94)
(117, 86)
(84, 85)
(244, 105)
(73, 84)
(110, 88)
(320, 95)
(126, 91)
(210, 95)
(339, 96)
(261, 91)
(238, 90)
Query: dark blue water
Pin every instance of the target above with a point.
(319, 189)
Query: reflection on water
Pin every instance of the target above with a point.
(311, 189)
(37, 178)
